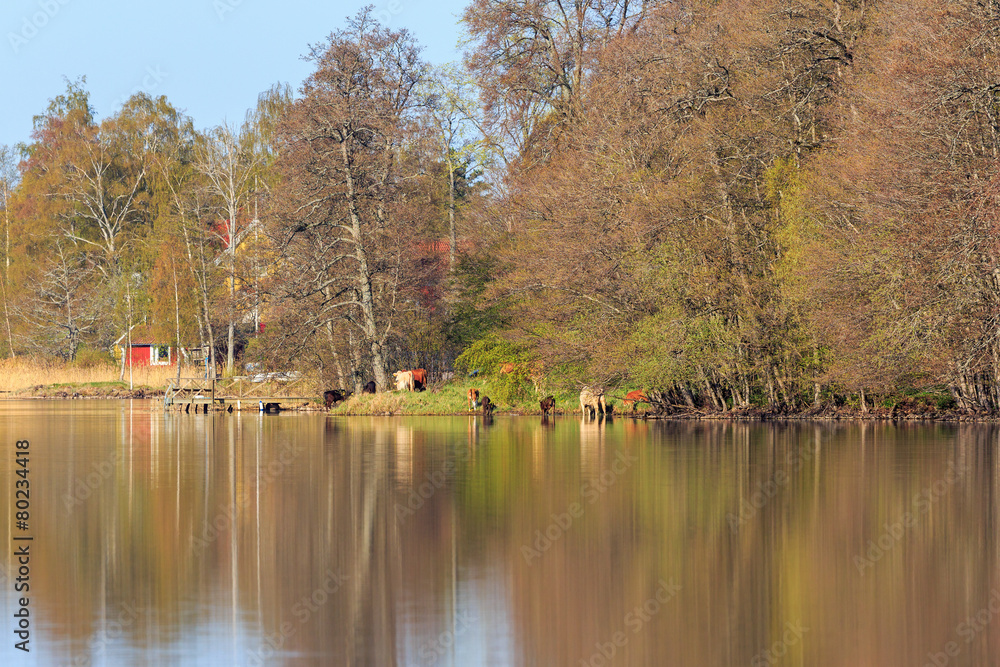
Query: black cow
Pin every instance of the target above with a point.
(334, 396)
(488, 406)
(548, 404)
(369, 388)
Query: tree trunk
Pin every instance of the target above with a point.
(6, 266)
(332, 340)
(229, 348)
(816, 385)
(128, 333)
(966, 394)
(956, 395)
(201, 281)
(379, 369)
(6, 315)
(717, 402)
(356, 363)
(6, 237)
(688, 398)
(177, 320)
(121, 373)
(451, 214)
(369, 322)
(230, 356)
(785, 398)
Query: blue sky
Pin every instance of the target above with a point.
(210, 58)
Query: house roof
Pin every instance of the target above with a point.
(142, 334)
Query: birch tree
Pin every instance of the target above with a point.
(229, 163)
(106, 182)
(9, 178)
(451, 111)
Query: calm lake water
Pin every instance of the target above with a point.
(304, 539)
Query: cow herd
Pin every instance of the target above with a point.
(592, 399)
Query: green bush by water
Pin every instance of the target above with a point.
(449, 399)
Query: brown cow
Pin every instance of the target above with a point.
(634, 397)
(419, 379)
(369, 388)
(548, 404)
(473, 396)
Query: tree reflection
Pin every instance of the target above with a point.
(283, 537)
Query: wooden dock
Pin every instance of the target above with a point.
(230, 394)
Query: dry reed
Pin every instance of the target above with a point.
(17, 374)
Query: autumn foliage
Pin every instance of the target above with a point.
(732, 204)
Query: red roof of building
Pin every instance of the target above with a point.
(142, 334)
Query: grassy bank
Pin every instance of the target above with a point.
(449, 399)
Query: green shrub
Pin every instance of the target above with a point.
(487, 356)
(946, 402)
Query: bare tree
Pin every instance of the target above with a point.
(103, 185)
(531, 58)
(9, 177)
(64, 307)
(337, 207)
(454, 130)
(228, 163)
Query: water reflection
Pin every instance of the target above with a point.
(304, 539)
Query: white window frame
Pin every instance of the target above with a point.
(154, 357)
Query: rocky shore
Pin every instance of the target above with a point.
(109, 390)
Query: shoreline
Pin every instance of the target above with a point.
(44, 392)
(826, 414)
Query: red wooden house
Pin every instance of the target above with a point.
(145, 350)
